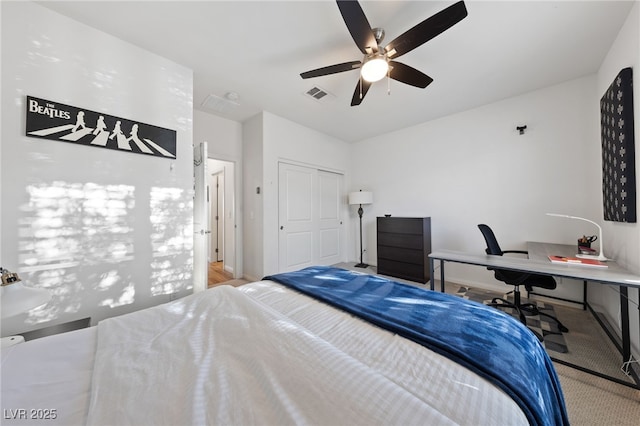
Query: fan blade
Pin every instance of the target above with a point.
(408, 75)
(361, 90)
(358, 25)
(426, 30)
(332, 69)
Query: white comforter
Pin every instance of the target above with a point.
(230, 356)
(260, 354)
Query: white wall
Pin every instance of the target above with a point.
(106, 231)
(474, 167)
(223, 136)
(622, 240)
(252, 162)
(270, 139)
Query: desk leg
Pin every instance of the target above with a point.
(624, 319)
(584, 295)
(626, 334)
(441, 276)
(432, 279)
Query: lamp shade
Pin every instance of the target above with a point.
(17, 299)
(361, 197)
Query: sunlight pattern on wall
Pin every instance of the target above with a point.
(73, 230)
(171, 241)
(113, 280)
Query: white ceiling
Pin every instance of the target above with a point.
(258, 49)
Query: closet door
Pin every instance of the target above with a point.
(297, 186)
(309, 217)
(329, 221)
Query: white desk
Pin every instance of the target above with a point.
(614, 274)
(539, 263)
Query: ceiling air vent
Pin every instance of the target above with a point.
(319, 94)
(220, 104)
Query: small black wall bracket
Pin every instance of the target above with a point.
(521, 129)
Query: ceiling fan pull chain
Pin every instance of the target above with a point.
(389, 81)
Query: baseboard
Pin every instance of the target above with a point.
(250, 278)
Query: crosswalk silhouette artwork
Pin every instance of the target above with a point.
(54, 121)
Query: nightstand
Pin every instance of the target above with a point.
(56, 329)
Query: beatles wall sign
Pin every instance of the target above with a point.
(59, 122)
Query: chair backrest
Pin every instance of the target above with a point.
(513, 277)
(492, 243)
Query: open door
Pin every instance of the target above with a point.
(201, 231)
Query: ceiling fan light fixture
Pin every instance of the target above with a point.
(381, 62)
(375, 68)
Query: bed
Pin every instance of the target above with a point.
(320, 346)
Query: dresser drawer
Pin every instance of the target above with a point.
(404, 225)
(407, 271)
(402, 255)
(409, 241)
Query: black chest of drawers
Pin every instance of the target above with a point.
(403, 246)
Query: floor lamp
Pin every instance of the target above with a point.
(361, 197)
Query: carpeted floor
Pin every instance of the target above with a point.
(542, 325)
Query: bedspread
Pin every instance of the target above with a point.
(485, 340)
(222, 357)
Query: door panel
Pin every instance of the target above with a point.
(296, 206)
(329, 222)
(299, 249)
(299, 201)
(329, 245)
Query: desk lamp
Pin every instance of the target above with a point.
(15, 298)
(601, 257)
(361, 197)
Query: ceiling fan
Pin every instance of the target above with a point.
(380, 61)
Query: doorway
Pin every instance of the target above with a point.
(221, 244)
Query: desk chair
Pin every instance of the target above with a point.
(516, 279)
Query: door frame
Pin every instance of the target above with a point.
(233, 238)
(218, 195)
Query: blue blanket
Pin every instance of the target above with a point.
(485, 340)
